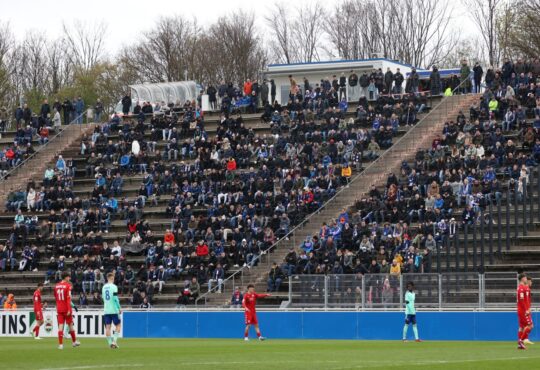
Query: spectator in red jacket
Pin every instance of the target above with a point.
(231, 164)
(202, 249)
(169, 237)
(248, 87)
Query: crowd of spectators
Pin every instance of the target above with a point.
(397, 228)
(229, 192)
(229, 196)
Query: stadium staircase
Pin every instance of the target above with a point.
(33, 168)
(418, 137)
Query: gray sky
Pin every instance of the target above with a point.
(127, 19)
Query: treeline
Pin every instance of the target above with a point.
(238, 46)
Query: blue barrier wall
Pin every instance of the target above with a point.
(325, 325)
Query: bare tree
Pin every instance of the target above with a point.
(33, 63)
(7, 45)
(522, 20)
(282, 43)
(344, 30)
(165, 52)
(85, 43)
(296, 34)
(484, 15)
(236, 51)
(415, 32)
(60, 69)
(308, 28)
(506, 19)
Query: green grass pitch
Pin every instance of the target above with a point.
(215, 354)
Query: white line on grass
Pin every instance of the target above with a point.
(375, 364)
(93, 367)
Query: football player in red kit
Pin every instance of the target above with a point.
(250, 313)
(523, 310)
(528, 296)
(38, 310)
(62, 294)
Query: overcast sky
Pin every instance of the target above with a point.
(127, 19)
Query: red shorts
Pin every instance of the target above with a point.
(251, 319)
(39, 315)
(524, 320)
(64, 318)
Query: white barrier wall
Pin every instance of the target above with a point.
(20, 323)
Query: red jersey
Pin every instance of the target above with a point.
(250, 301)
(522, 298)
(528, 297)
(62, 294)
(38, 307)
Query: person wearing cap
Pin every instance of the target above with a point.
(10, 304)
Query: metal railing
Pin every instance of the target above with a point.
(386, 291)
(372, 172)
(59, 138)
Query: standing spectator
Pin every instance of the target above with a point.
(264, 92)
(364, 84)
(342, 86)
(126, 104)
(212, 97)
(44, 112)
(388, 80)
(464, 77)
(398, 81)
(98, 111)
(27, 114)
(413, 82)
(353, 84)
(57, 120)
(272, 91)
(478, 72)
(67, 107)
(19, 116)
(435, 81)
(79, 109)
(275, 277)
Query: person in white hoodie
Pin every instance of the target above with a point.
(31, 199)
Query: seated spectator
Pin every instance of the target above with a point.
(10, 304)
(275, 278)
